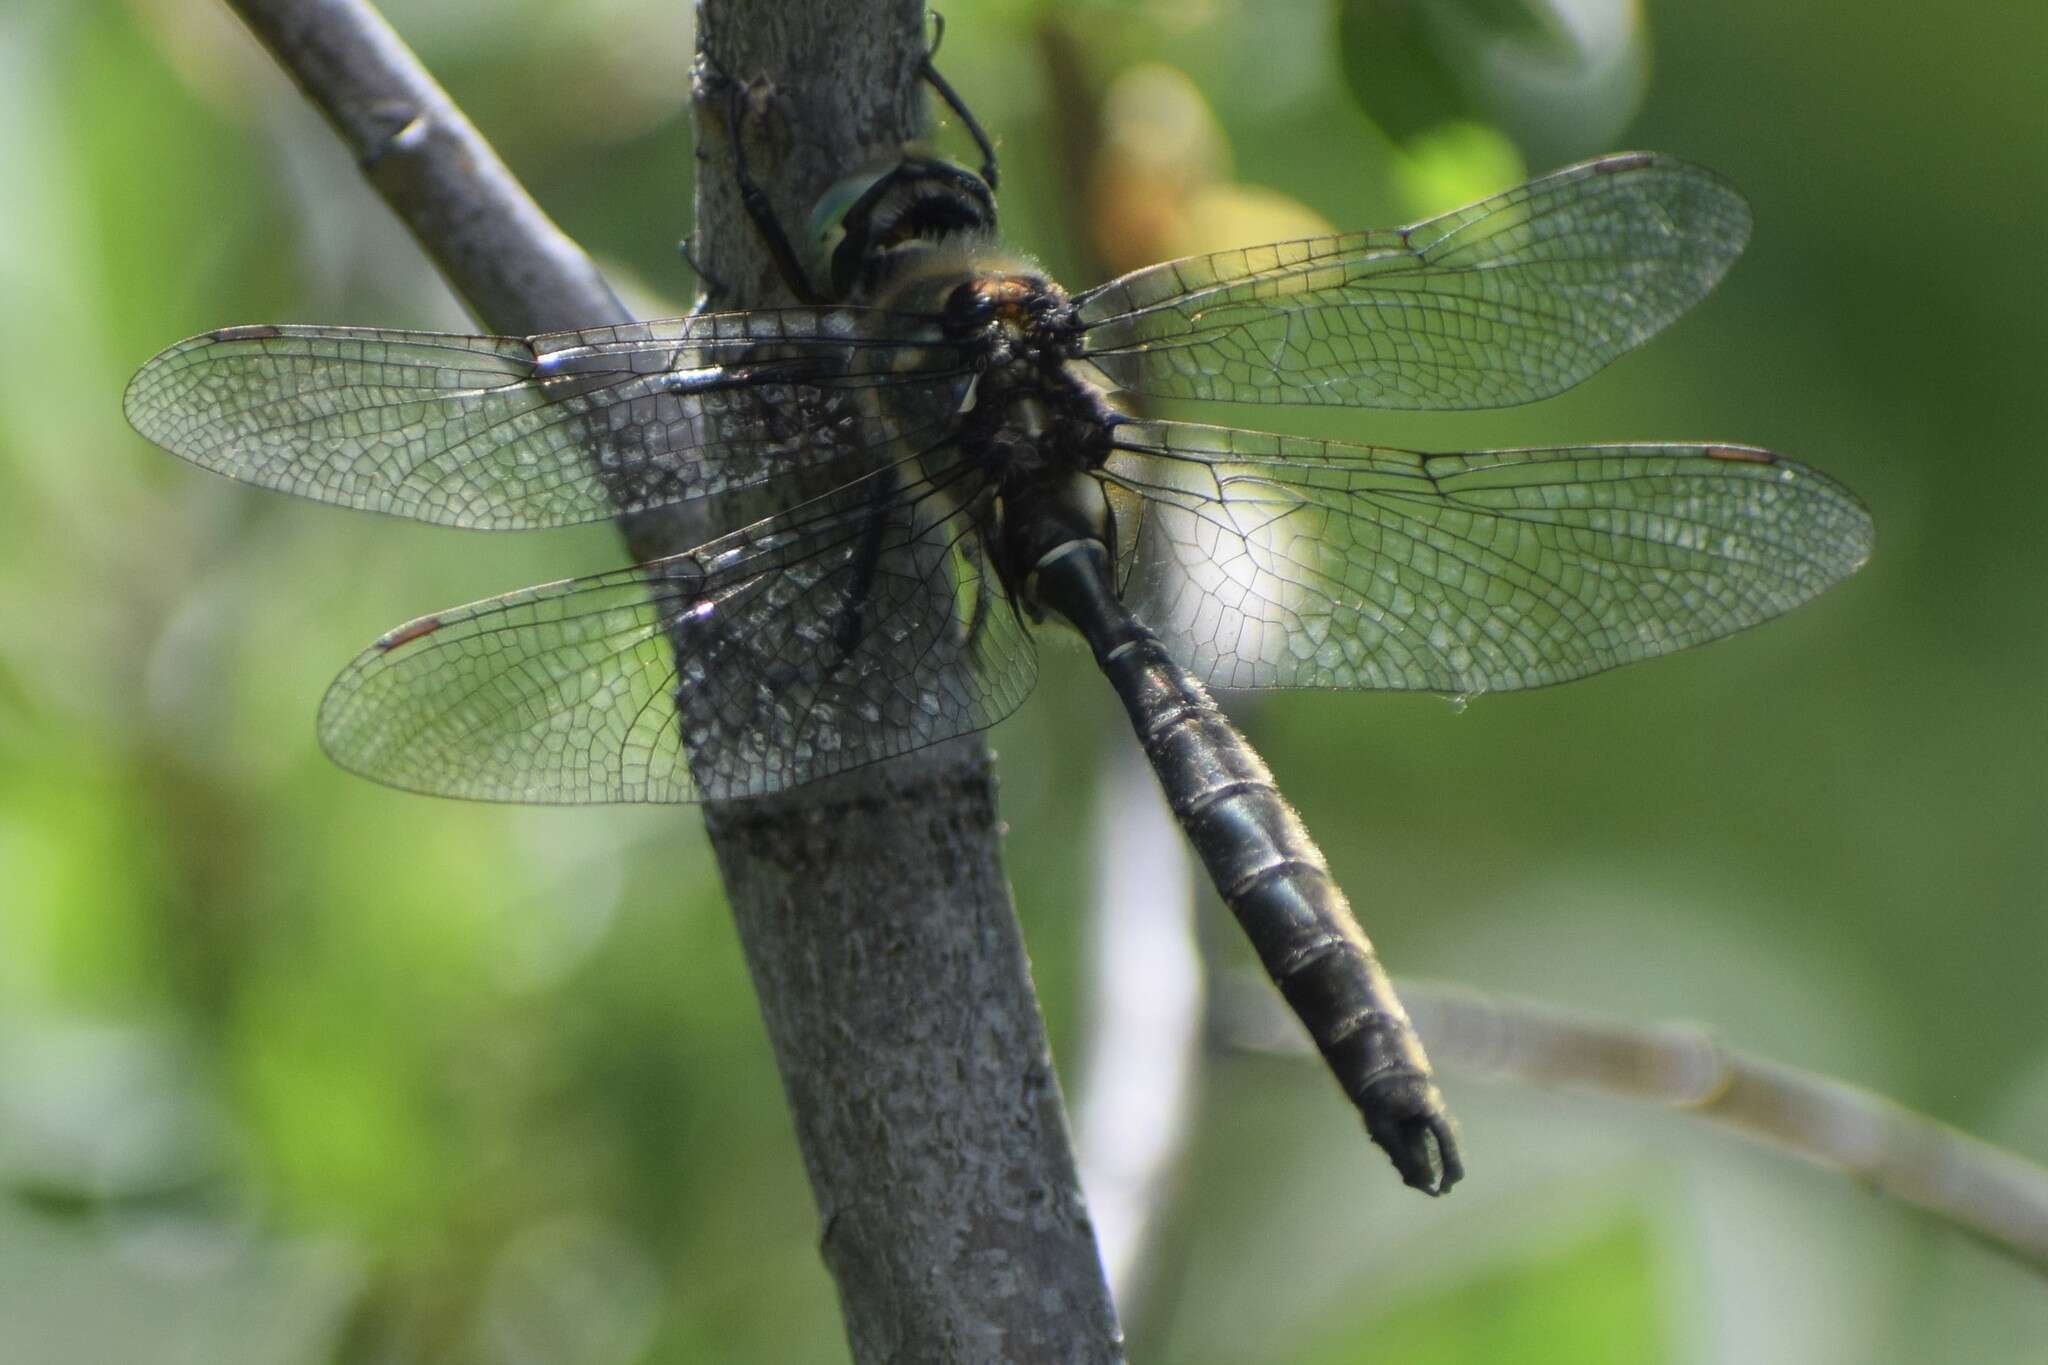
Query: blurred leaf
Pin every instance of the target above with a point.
(1561, 77)
(169, 1294)
(572, 1292)
(93, 1114)
(1395, 64)
(1595, 1303)
(78, 862)
(155, 166)
(1453, 164)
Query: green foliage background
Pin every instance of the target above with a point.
(295, 1069)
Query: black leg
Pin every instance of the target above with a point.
(959, 107)
(847, 631)
(848, 621)
(738, 108)
(714, 288)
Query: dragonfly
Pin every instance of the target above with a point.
(966, 476)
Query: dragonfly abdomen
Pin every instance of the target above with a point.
(1268, 870)
(1273, 877)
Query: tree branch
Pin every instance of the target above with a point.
(1986, 1191)
(1142, 1072)
(873, 908)
(1992, 1194)
(515, 269)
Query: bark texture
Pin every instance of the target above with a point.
(873, 909)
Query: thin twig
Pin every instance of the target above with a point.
(1142, 1068)
(873, 908)
(1994, 1195)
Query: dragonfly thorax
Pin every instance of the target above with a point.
(1038, 426)
(1011, 317)
(1032, 409)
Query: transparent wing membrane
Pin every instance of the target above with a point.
(505, 433)
(1272, 561)
(1512, 299)
(857, 627)
(869, 622)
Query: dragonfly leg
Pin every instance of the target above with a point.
(846, 626)
(846, 621)
(714, 288)
(946, 92)
(743, 101)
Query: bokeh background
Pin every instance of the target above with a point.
(296, 1069)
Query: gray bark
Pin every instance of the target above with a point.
(873, 908)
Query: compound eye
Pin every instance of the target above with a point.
(830, 215)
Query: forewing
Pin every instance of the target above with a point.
(857, 627)
(504, 433)
(1271, 561)
(1511, 299)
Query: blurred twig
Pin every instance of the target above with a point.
(873, 908)
(1992, 1194)
(1142, 1068)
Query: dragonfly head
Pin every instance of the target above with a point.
(870, 222)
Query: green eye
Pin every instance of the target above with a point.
(828, 217)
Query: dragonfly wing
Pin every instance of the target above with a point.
(504, 433)
(1274, 561)
(856, 627)
(1508, 300)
